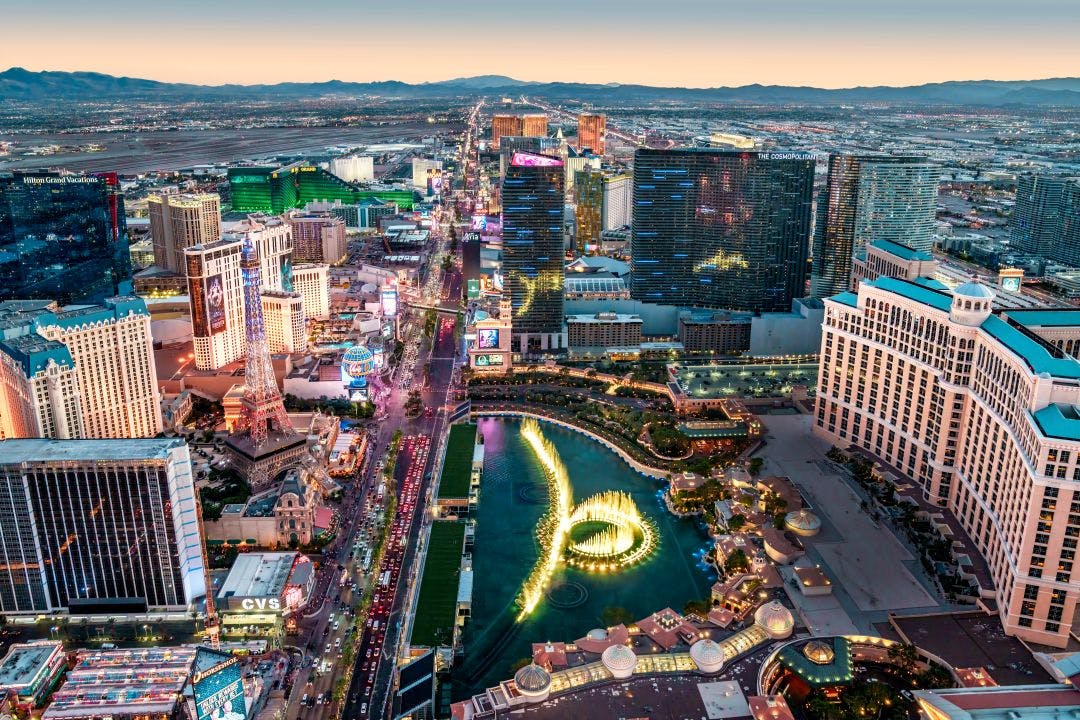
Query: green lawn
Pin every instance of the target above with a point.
(457, 467)
(438, 588)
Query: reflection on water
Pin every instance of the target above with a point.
(512, 500)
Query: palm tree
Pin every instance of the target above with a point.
(904, 655)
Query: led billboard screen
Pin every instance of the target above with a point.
(215, 303)
(219, 690)
(389, 301)
(207, 305)
(521, 159)
(487, 339)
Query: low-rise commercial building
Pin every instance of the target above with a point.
(259, 592)
(137, 684)
(594, 334)
(30, 671)
(714, 331)
(282, 516)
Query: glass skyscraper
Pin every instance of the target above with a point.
(868, 198)
(1039, 218)
(721, 229)
(532, 218)
(62, 237)
(98, 526)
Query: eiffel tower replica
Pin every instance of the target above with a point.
(263, 442)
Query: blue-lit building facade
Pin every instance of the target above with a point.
(533, 257)
(721, 229)
(62, 237)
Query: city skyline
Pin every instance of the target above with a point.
(557, 360)
(835, 44)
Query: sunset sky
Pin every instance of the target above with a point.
(690, 43)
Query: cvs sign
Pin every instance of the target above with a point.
(260, 604)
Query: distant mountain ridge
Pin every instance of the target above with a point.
(25, 85)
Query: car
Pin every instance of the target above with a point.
(306, 700)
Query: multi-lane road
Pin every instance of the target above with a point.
(328, 628)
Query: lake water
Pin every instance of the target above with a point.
(513, 497)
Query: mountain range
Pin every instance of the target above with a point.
(50, 86)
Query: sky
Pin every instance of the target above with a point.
(684, 43)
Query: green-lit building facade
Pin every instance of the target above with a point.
(277, 189)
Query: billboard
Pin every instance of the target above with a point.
(207, 305)
(478, 222)
(389, 301)
(487, 360)
(524, 159)
(472, 288)
(286, 274)
(218, 689)
(215, 303)
(487, 339)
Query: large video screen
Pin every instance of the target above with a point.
(207, 305)
(215, 303)
(487, 360)
(219, 693)
(487, 339)
(389, 301)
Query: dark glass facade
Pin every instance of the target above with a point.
(90, 530)
(532, 218)
(1038, 220)
(834, 232)
(868, 198)
(720, 229)
(277, 189)
(1070, 225)
(62, 237)
(588, 209)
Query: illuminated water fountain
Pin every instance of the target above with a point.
(610, 530)
(625, 536)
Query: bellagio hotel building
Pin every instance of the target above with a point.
(982, 411)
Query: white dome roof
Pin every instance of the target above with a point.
(532, 679)
(707, 655)
(597, 634)
(818, 652)
(619, 658)
(707, 650)
(974, 289)
(803, 522)
(775, 619)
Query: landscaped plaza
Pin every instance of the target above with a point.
(760, 381)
